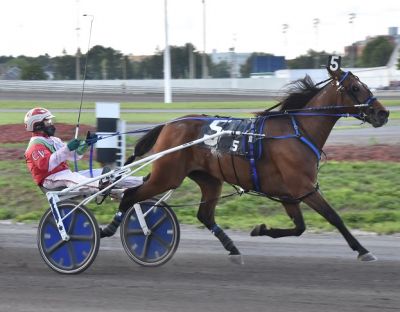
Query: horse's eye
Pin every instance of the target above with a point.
(355, 88)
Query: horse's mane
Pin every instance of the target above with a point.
(298, 94)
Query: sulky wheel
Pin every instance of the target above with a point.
(160, 245)
(76, 254)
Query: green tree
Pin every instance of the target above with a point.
(104, 63)
(5, 59)
(220, 70)
(377, 52)
(32, 71)
(65, 67)
(153, 66)
(19, 61)
(179, 61)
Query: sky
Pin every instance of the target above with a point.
(36, 27)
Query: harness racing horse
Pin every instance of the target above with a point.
(286, 166)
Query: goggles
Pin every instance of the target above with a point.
(48, 122)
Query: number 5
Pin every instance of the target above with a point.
(334, 62)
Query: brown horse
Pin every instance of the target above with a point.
(286, 168)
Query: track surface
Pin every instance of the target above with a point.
(316, 272)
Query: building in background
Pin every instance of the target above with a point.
(234, 59)
(264, 65)
(355, 50)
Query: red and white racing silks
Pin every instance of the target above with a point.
(46, 157)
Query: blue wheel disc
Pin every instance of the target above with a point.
(158, 247)
(76, 254)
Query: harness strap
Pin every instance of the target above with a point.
(288, 199)
(220, 168)
(344, 77)
(311, 146)
(234, 170)
(253, 168)
(370, 100)
(303, 139)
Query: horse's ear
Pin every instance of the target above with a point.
(333, 67)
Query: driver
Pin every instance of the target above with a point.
(46, 155)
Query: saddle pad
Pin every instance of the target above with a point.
(242, 145)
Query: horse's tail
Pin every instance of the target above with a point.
(145, 143)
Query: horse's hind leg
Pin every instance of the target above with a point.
(294, 212)
(156, 183)
(319, 204)
(211, 190)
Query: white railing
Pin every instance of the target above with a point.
(179, 86)
(257, 87)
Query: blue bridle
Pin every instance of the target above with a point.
(365, 103)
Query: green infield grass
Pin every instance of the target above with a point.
(366, 195)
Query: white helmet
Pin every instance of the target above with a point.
(36, 115)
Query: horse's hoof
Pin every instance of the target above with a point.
(259, 230)
(236, 259)
(367, 257)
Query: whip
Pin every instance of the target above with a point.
(84, 75)
(83, 90)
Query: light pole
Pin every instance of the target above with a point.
(167, 60)
(285, 28)
(204, 55)
(353, 47)
(192, 66)
(316, 22)
(234, 72)
(78, 50)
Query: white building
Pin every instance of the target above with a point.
(234, 59)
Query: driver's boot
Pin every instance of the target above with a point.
(111, 228)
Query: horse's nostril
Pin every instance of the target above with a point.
(381, 118)
(383, 114)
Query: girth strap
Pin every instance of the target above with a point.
(253, 168)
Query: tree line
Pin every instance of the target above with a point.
(186, 62)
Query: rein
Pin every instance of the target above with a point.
(238, 191)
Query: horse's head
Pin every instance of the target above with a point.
(359, 98)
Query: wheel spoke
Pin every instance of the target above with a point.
(81, 237)
(145, 246)
(72, 255)
(161, 241)
(73, 222)
(134, 232)
(51, 220)
(56, 246)
(158, 223)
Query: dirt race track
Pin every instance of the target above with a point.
(312, 273)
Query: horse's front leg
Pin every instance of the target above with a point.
(319, 204)
(211, 190)
(294, 212)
